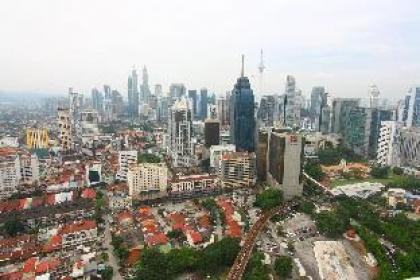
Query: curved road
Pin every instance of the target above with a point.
(238, 268)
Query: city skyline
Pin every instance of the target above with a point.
(343, 46)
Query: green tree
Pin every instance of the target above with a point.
(313, 169)
(283, 266)
(13, 227)
(182, 260)
(269, 198)
(255, 269)
(107, 273)
(152, 266)
(379, 172)
(307, 207)
(331, 224)
(397, 170)
(177, 235)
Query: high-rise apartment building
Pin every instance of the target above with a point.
(242, 128)
(237, 169)
(388, 151)
(37, 138)
(280, 158)
(180, 146)
(126, 159)
(223, 109)
(146, 178)
(65, 131)
(410, 147)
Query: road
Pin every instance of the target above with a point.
(241, 261)
(112, 261)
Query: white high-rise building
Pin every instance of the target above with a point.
(16, 167)
(388, 143)
(180, 146)
(125, 161)
(147, 177)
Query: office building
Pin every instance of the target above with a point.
(158, 90)
(266, 111)
(242, 128)
(192, 95)
(180, 146)
(237, 169)
(126, 159)
(340, 110)
(144, 89)
(363, 128)
(203, 103)
(413, 107)
(292, 104)
(410, 147)
(97, 100)
(211, 133)
(280, 159)
(133, 95)
(146, 178)
(176, 91)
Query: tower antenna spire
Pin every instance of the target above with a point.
(243, 65)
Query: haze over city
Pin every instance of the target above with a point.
(48, 46)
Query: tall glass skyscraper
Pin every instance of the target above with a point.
(242, 129)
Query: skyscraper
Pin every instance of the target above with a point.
(266, 110)
(317, 98)
(192, 95)
(180, 146)
(223, 109)
(176, 91)
(340, 109)
(158, 90)
(97, 100)
(242, 129)
(211, 132)
(145, 90)
(292, 103)
(133, 95)
(203, 103)
(413, 110)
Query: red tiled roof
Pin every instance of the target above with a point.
(157, 239)
(78, 226)
(125, 216)
(29, 265)
(89, 193)
(133, 256)
(196, 237)
(12, 276)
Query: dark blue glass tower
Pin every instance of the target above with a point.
(242, 129)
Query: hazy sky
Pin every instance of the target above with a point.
(345, 45)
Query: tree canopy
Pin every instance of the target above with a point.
(283, 266)
(269, 198)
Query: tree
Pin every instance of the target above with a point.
(331, 224)
(152, 266)
(13, 227)
(177, 235)
(182, 260)
(283, 266)
(148, 158)
(313, 169)
(397, 170)
(106, 274)
(255, 269)
(306, 207)
(379, 172)
(269, 198)
(218, 255)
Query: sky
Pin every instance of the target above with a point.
(50, 45)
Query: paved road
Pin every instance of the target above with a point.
(241, 261)
(112, 261)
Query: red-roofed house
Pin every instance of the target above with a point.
(78, 233)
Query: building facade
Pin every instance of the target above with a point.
(147, 178)
(242, 128)
(126, 159)
(237, 169)
(180, 146)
